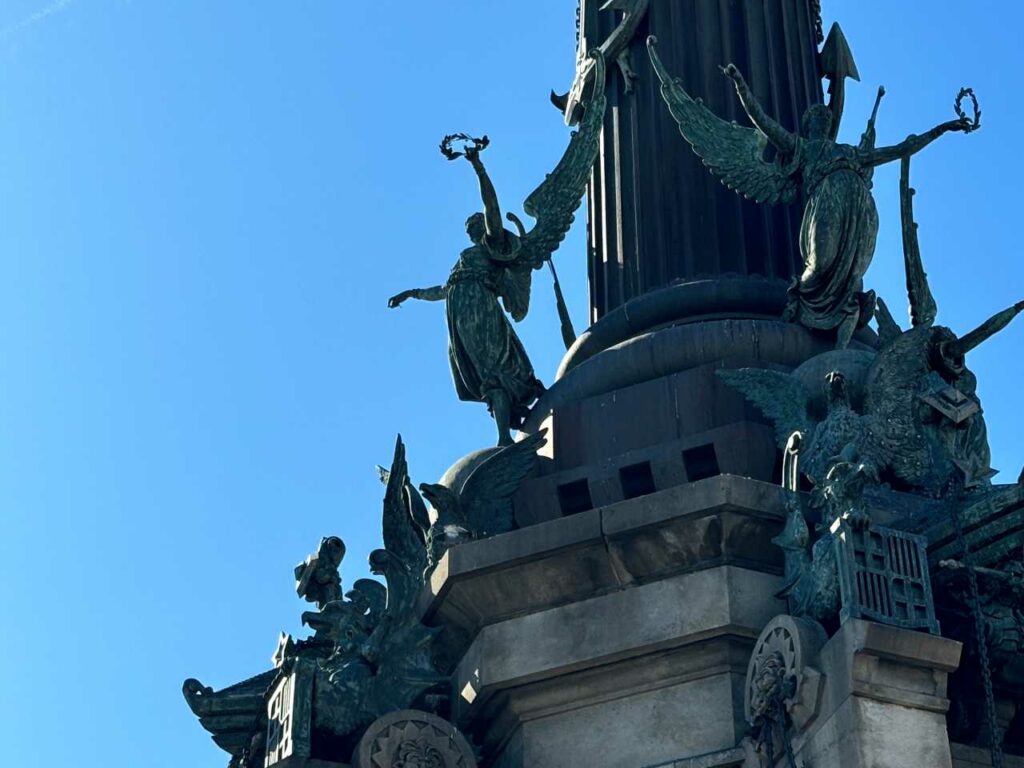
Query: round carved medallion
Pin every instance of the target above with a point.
(413, 739)
(783, 662)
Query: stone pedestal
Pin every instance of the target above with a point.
(616, 637)
(884, 701)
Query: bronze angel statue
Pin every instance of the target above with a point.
(488, 361)
(840, 221)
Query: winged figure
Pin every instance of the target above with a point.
(922, 425)
(482, 506)
(785, 400)
(927, 424)
(488, 361)
(382, 661)
(840, 221)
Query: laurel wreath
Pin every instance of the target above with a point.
(448, 142)
(959, 107)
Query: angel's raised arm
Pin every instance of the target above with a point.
(496, 237)
(783, 140)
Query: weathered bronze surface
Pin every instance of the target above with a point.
(840, 222)
(488, 361)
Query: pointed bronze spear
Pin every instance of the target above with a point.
(837, 64)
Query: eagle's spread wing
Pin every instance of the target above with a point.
(487, 493)
(779, 396)
(405, 556)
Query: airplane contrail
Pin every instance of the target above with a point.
(32, 19)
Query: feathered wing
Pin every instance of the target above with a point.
(514, 288)
(888, 329)
(734, 154)
(405, 555)
(417, 511)
(893, 437)
(403, 644)
(553, 204)
(779, 396)
(486, 496)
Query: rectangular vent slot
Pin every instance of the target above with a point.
(637, 480)
(701, 462)
(574, 497)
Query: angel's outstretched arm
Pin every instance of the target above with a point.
(434, 293)
(914, 144)
(777, 135)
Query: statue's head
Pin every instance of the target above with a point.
(476, 228)
(439, 496)
(835, 387)
(817, 122)
(332, 550)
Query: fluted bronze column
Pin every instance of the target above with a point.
(656, 216)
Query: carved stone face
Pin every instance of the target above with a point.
(476, 228)
(418, 754)
(817, 122)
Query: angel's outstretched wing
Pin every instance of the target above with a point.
(779, 396)
(487, 493)
(554, 203)
(731, 152)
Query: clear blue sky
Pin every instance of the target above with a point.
(205, 205)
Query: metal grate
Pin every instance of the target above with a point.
(289, 715)
(883, 577)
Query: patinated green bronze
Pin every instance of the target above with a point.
(382, 660)
(482, 505)
(370, 654)
(918, 428)
(317, 579)
(614, 48)
(921, 425)
(488, 361)
(840, 222)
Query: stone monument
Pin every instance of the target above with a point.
(741, 526)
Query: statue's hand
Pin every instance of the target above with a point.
(732, 72)
(396, 301)
(963, 125)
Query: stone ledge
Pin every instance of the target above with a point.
(685, 610)
(723, 520)
(965, 756)
(729, 758)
